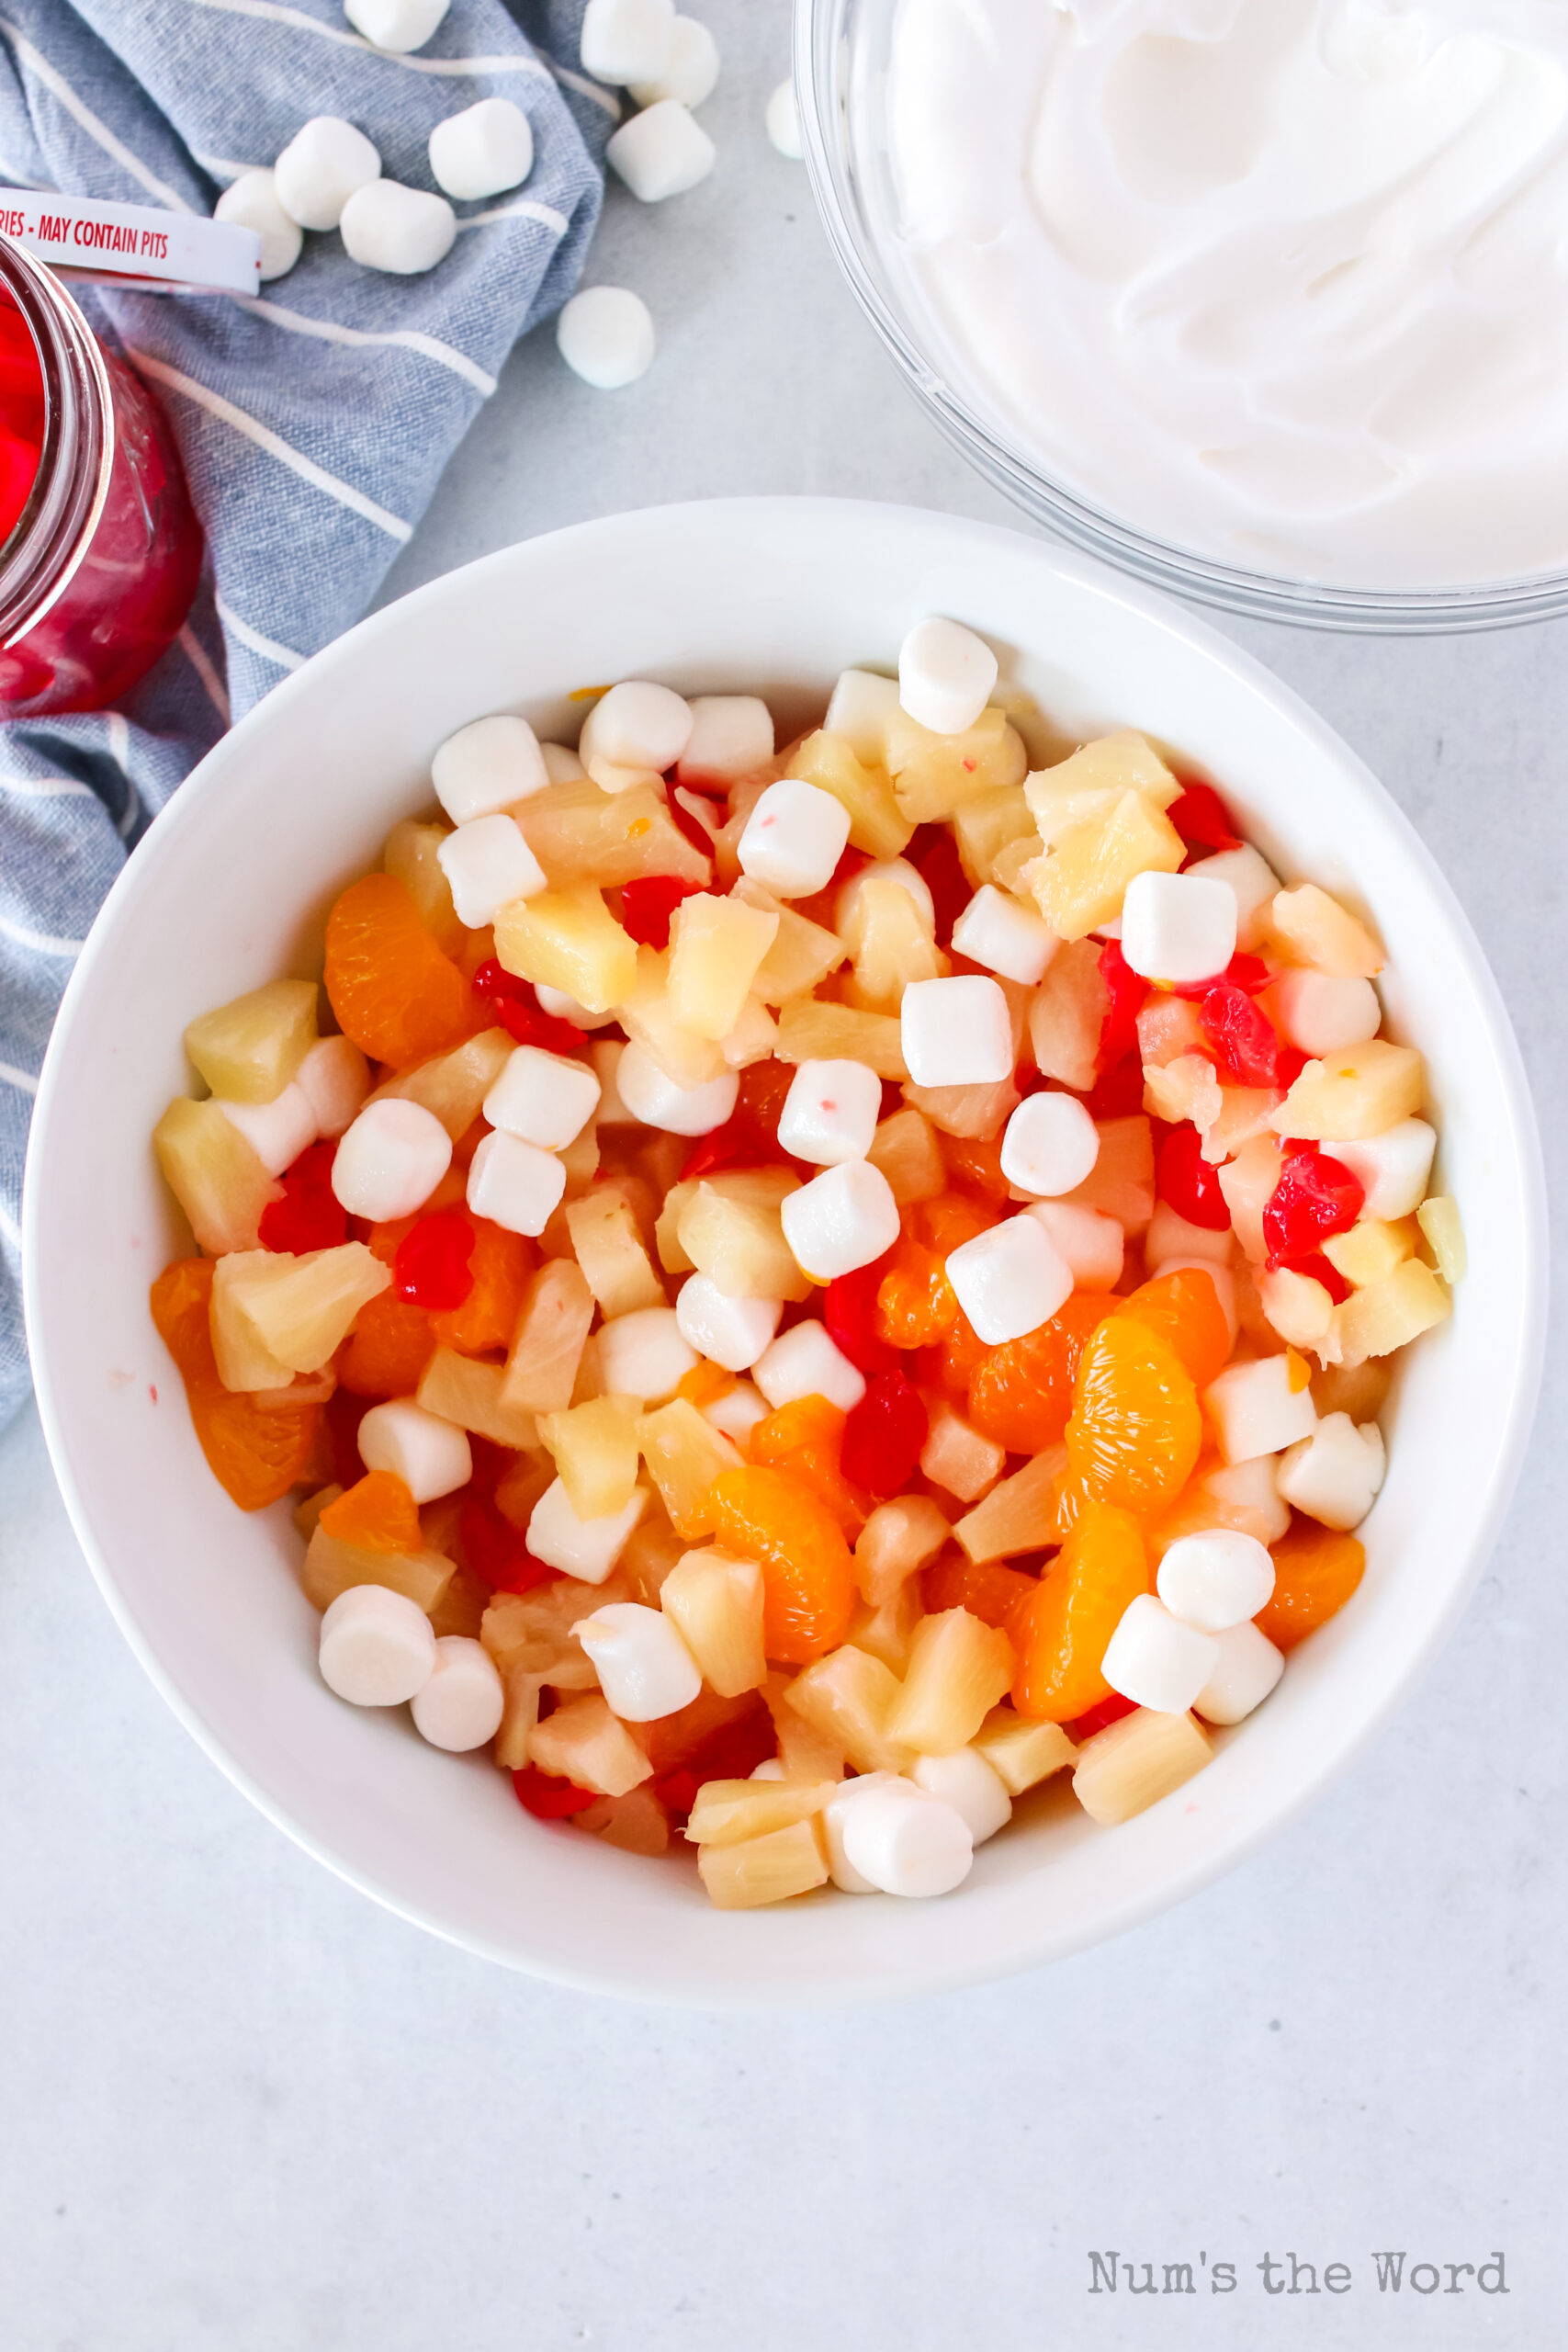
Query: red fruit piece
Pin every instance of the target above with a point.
(521, 1014)
(1187, 1182)
(933, 853)
(1203, 819)
(344, 1412)
(431, 1267)
(1118, 1092)
(749, 1137)
(547, 1797)
(884, 1434)
(1246, 1042)
(1110, 1710)
(732, 1752)
(1320, 1270)
(309, 1216)
(1315, 1197)
(849, 1311)
(1249, 972)
(648, 904)
(1119, 1030)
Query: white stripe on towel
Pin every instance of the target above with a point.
(525, 209)
(202, 665)
(46, 787)
(268, 647)
(18, 1078)
(408, 338)
(445, 68)
(38, 940)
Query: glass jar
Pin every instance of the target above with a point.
(100, 568)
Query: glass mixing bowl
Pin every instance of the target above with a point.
(841, 50)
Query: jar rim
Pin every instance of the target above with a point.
(55, 527)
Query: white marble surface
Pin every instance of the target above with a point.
(243, 2109)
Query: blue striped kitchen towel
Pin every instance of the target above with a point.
(314, 418)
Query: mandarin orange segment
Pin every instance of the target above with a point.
(394, 993)
(959, 1356)
(1184, 1306)
(1061, 1630)
(379, 1514)
(181, 1301)
(987, 1588)
(387, 1348)
(975, 1166)
(1022, 1393)
(1315, 1571)
(952, 1219)
(808, 1575)
(501, 1265)
(1135, 1428)
(704, 1384)
(805, 1437)
(916, 1304)
(256, 1453)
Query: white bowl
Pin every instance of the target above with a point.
(231, 889)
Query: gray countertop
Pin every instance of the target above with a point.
(245, 2109)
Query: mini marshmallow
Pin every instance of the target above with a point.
(487, 766)
(584, 1548)
(662, 152)
(793, 839)
(806, 1362)
(488, 863)
(325, 163)
(1221, 1276)
(1050, 1145)
(514, 1184)
(1334, 1475)
(1248, 1669)
(736, 1413)
(1322, 1012)
(252, 202)
(432, 1457)
(1156, 1660)
(657, 1101)
(956, 1033)
(403, 231)
(1253, 883)
(279, 1131)
(862, 708)
(396, 25)
(732, 1332)
(541, 1098)
(782, 119)
(485, 149)
(645, 1355)
(627, 40)
(461, 1705)
(390, 1161)
(692, 74)
(1255, 1409)
(846, 905)
(1092, 1243)
(848, 1798)
(904, 1841)
(605, 1058)
(946, 675)
(731, 735)
(335, 1077)
(972, 1788)
(1177, 927)
(841, 1221)
(770, 1768)
(1215, 1579)
(1392, 1169)
(378, 1647)
(561, 763)
(644, 1668)
(606, 335)
(1000, 932)
(831, 1113)
(562, 1007)
(637, 725)
(1009, 1280)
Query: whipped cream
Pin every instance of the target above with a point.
(1283, 281)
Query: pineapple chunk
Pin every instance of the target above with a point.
(410, 858)
(473, 1394)
(596, 1452)
(306, 1514)
(728, 1811)
(739, 1243)
(1168, 1028)
(1244, 1111)
(973, 1113)
(877, 823)
(1248, 1184)
(533, 1631)
(990, 825)
(1319, 932)
(1360, 1091)
(1079, 884)
(1021, 1754)
(802, 953)
(958, 1458)
(716, 1604)
(1018, 1516)
(569, 940)
(1093, 779)
(1132, 1764)
(453, 1087)
(584, 1743)
(764, 1870)
(716, 948)
(752, 1038)
(557, 1315)
(461, 1607)
(1371, 1250)
(847, 1698)
(1298, 1306)
(1184, 1088)
(888, 1632)
(906, 1151)
(900, 1539)
(811, 1031)
(890, 944)
(649, 1016)
(1067, 1015)
(959, 1669)
(519, 1718)
(684, 1454)
(579, 833)
(273, 1316)
(1359, 1389)
(1438, 1219)
(635, 1823)
(331, 1567)
(653, 1550)
(1121, 1183)
(249, 1050)
(936, 775)
(611, 1251)
(1388, 1315)
(581, 1161)
(214, 1175)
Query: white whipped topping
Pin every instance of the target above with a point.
(1281, 281)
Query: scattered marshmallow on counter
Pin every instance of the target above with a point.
(946, 675)
(461, 1705)
(657, 1101)
(542, 1098)
(731, 735)
(662, 152)
(584, 1548)
(732, 1332)
(692, 74)
(335, 1077)
(514, 1184)
(842, 1220)
(831, 1113)
(1322, 1012)
(1156, 1660)
(325, 163)
(1254, 1408)
(1336, 1473)
(1215, 1579)
(396, 25)
(1000, 932)
(390, 1159)
(378, 1647)
(637, 725)
(252, 202)
(955, 1032)
(488, 863)
(627, 40)
(900, 1841)
(782, 120)
(606, 335)
(644, 1354)
(488, 766)
(1050, 1145)
(1093, 1244)
(807, 1362)
(793, 840)
(1177, 927)
(965, 1781)
(279, 1131)
(1245, 1671)
(432, 1457)
(1009, 1280)
(402, 230)
(1392, 1169)
(644, 1668)
(484, 150)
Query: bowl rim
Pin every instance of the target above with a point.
(740, 517)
